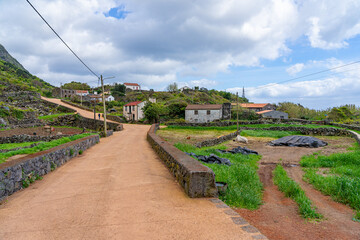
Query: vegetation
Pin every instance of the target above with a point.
(15, 145)
(291, 189)
(53, 116)
(42, 146)
(244, 185)
(16, 79)
(76, 86)
(11, 111)
(340, 180)
(270, 134)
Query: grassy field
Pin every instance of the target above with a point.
(294, 191)
(245, 189)
(53, 116)
(265, 133)
(42, 146)
(15, 145)
(340, 180)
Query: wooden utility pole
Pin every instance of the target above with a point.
(237, 114)
(103, 99)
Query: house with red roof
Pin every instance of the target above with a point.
(132, 86)
(133, 111)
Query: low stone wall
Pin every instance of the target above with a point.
(13, 173)
(196, 179)
(79, 121)
(303, 130)
(77, 105)
(29, 138)
(18, 148)
(108, 133)
(355, 135)
(352, 127)
(115, 118)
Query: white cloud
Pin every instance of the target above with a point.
(203, 83)
(294, 69)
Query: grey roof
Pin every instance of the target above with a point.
(203, 107)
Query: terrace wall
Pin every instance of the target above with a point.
(196, 179)
(13, 173)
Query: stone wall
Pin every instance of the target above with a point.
(29, 138)
(115, 118)
(303, 130)
(196, 179)
(78, 106)
(355, 135)
(352, 127)
(79, 121)
(14, 173)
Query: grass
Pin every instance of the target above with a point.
(15, 145)
(53, 116)
(42, 146)
(266, 133)
(245, 189)
(343, 185)
(294, 191)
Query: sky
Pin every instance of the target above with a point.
(265, 46)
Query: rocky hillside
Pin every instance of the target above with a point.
(5, 56)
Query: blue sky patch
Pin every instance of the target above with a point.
(118, 12)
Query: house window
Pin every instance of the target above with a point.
(208, 112)
(133, 108)
(125, 108)
(196, 112)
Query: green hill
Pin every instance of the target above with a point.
(5, 56)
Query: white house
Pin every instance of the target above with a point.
(109, 98)
(134, 111)
(203, 113)
(132, 86)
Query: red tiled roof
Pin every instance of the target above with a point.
(203, 107)
(82, 91)
(265, 111)
(131, 84)
(133, 103)
(253, 105)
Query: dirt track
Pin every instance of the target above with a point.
(278, 217)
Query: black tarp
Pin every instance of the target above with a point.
(298, 141)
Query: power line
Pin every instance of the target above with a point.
(62, 40)
(307, 75)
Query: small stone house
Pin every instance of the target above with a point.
(202, 113)
(257, 107)
(273, 114)
(132, 86)
(134, 111)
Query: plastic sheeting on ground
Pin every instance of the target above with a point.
(242, 150)
(298, 141)
(211, 159)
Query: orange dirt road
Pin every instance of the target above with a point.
(118, 189)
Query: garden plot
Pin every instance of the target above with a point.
(277, 216)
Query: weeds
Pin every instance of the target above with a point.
(294, 191)
(266, 133)
(244, 186)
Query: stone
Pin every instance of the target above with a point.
(241, 139)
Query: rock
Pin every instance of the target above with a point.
(241, 139)
(3, 122)
(59, 133)
(298, 141)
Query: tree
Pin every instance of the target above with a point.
(177, 109)
(152, 111)
(173, 87)
(118, 90)
(76, 86)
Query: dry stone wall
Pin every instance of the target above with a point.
(196, 179)
(29, 138)
(14, 173)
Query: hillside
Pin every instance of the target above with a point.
(5, 56)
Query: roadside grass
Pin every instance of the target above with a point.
(245, 189)
(42, 146)
(53, 116)
(266, 133)
(15, 145)
(344, 183)
(292, 190)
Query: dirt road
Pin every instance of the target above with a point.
(118, 189)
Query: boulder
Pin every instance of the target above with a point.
(241, 139)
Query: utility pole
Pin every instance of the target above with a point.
(60, 90)
(237, 114)
(103, 99)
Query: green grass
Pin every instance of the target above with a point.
(15, 145)
(53, 116)
(292, 190)
(343, 181)
(42, 146)
(245, 189)
(265, 133)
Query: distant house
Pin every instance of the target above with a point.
(98, 98)
(202, 113)
(109, 98)
(184, 88)
(257, 107)
(132, 86)
(68, 93)
(134, 111)
(82, 92)
(273, 114)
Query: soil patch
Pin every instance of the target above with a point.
(40, 131)
(278, 217)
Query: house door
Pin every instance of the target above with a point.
(133, 116)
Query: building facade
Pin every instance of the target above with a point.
(207, 113)
(132, 86)
(273, 114)
(257, 107)
(134, 111)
